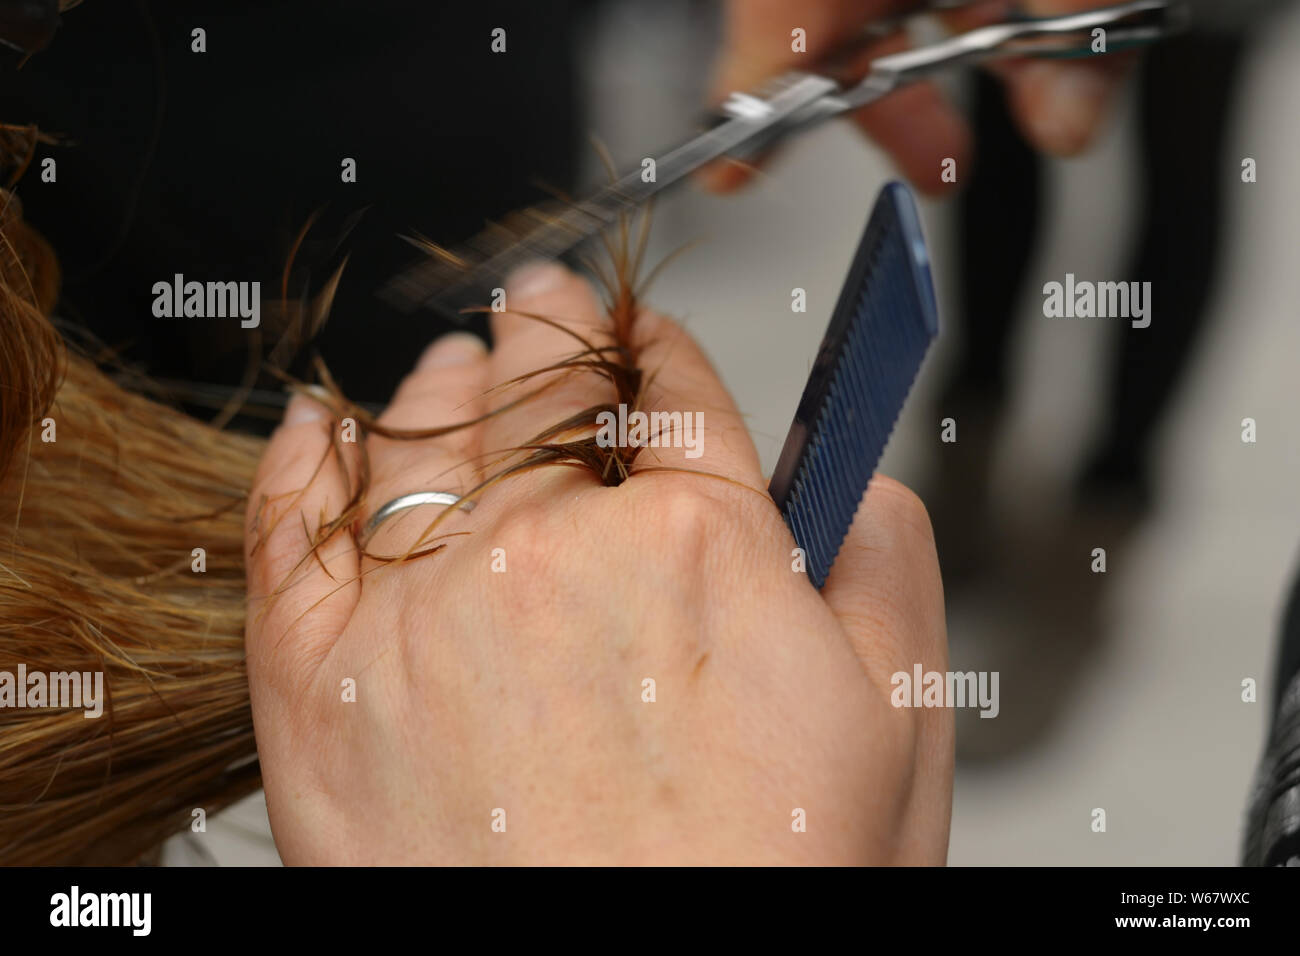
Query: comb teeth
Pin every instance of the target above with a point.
(882, 327)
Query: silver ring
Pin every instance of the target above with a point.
(405, 503)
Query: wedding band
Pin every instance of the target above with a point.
(405, 503)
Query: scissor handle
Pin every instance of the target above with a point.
(1126, 25)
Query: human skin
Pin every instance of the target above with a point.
(522, 691)
(1059, 105)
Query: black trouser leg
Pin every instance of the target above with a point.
(1187, 89)
(998, 224)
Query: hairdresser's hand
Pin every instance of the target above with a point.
(1059, 104)
(482, 692)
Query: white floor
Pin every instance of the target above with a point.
(1159, 736)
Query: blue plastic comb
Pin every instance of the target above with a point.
(883, 324)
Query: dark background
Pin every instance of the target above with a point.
(208, 164)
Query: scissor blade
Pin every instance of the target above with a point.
(465, 277)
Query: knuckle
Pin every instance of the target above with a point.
(683, 518)
(527, 535)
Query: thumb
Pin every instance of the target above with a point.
(766, 37)
(885, 588)
(1061, 105)
(763, 38)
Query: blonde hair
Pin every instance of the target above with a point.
(105, 496)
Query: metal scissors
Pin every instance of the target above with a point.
(749, 123)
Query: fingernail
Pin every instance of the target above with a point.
(534, 279)
(302, 410)
(454, 348)
(1073, 102)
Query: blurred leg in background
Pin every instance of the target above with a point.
(1187, 89)
(998, 224)
(1053, 625)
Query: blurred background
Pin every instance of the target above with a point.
(1120, 691)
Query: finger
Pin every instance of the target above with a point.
(446, 387)
(1061, 107)
(885, 588)
(448, 378)
(298, 603)
(523, 345)
(693, 418)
